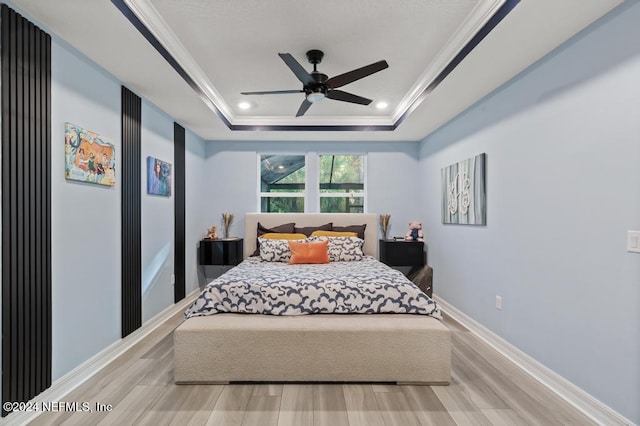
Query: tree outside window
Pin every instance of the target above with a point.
(342, 183)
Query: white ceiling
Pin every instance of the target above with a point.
(231, 46)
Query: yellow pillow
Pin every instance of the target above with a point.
(309, 252)
(333, 234)
(282, 236)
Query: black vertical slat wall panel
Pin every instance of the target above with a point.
(179, 212)
(25, 53)
(131, 213)
(47, 303)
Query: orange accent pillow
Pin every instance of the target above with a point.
(333, 234)
(302, 252)
(282, 236)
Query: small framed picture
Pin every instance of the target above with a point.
(158, 177)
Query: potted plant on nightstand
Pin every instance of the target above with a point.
(384, 225)
(227, 220)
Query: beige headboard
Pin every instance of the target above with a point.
(312, 219)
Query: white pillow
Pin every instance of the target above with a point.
(342, 249)
(275, 250)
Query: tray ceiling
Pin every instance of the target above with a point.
(226, 47)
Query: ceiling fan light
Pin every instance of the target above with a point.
(314, 97)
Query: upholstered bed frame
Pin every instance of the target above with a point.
(312, 219)
(400, 348)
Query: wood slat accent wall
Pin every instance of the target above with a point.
(179, 211)
(131, 212)
(26, 207)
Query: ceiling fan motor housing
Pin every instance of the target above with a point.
(315, 56)
(318, 91)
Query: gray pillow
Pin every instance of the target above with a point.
(358, 229)
(308, 230)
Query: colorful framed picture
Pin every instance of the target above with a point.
(464, 199)
(158, 177)
(88, 156)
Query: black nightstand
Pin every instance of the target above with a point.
(402, 252)
(221, 251)
(409, 253)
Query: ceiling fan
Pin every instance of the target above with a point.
(318, 86)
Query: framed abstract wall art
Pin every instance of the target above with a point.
(88, 156)
(158, 177)
(464, 199)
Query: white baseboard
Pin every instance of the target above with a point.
(581, 400)
(70, 381)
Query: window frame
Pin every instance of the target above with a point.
(303, 194)
(365, 176)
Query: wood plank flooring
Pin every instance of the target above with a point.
(486, 389)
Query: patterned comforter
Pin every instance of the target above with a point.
(275, 288)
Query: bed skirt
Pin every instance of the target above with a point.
(399, 348)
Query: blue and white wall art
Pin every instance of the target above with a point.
(464, 199)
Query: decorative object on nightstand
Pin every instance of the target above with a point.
(227, 220)
(415, 231)
(408, 253)
(221, 251)
(384, 225)
(212, 232)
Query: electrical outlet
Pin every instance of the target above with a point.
(173, 279)
(499, 303)
(633, 241)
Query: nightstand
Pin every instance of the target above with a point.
(221, 251)
(402, 253)
(408, 253)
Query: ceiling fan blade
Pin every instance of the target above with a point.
(340, 95)
(297, 69)
(351, 76)
(272, 92)
(304, 106)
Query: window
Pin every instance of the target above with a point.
(342, 179)
(282, 183)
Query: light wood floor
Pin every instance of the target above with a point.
(485, 389)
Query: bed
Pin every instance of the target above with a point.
(216, 345)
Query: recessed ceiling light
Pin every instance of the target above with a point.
(382, 105)
(244, 105)
(280, 167)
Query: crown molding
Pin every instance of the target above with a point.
(146, 18)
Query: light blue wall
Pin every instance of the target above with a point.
(563, 187)
(197, 216)
(85, 218)
(157, 216)
(232, 171)
(158, 213)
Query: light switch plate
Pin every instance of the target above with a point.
(633, 241)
